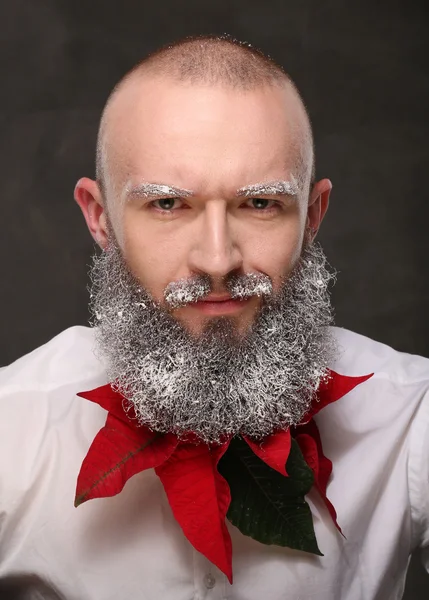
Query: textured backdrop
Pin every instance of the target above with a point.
(363, 70)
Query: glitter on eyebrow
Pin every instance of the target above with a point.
(270, 188)
(151, 190)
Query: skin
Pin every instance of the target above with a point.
(211, 141)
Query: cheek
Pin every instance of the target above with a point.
(276, 253)
(154, 257)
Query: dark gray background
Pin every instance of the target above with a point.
(363, 70)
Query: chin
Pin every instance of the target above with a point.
(226, 328)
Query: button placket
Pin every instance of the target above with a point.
(209, 581)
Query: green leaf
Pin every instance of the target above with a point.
(265, 505)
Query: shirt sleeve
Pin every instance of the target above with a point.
(418, 478)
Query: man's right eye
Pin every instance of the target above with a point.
(166, 204)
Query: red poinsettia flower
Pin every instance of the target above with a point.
(198, 495)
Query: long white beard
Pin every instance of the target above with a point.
(220, 384)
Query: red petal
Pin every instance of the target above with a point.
(108, 399)
(311, 447)
(199, 498)
(333, 389)
(118, 452)
(274, 450)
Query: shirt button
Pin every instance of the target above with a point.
(209, 581)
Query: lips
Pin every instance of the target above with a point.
(214, 298)
(220, 305)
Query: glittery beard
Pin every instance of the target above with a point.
(219, 383)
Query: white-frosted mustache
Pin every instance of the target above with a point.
(192, 289)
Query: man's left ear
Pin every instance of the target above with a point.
(318, 205)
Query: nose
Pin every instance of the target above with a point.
(214, 250)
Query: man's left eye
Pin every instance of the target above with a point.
(261, 203)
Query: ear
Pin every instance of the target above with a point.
(318, 205)
(88, 195)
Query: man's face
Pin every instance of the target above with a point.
(208, 199)
(211, 143)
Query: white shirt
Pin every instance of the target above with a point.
(129, 547)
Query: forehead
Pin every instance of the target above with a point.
(197, 136)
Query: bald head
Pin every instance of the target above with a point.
(214, 61)
(204, 167)
(208, 61)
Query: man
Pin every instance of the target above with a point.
(230, 392)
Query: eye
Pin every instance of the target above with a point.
(261, 203)
(166, 204)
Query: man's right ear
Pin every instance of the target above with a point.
(88, 195)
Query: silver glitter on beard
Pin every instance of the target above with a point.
(220, 383)
(184, 291)
(191, 289)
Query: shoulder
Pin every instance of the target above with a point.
(359, 355)
(38, 391)
(390, 401)
(45, 428)
(67, 358)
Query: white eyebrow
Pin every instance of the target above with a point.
(156, 190)
(161, 190)
(271, 188)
